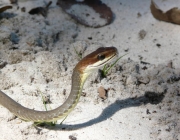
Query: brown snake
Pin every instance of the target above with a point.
(81, 71)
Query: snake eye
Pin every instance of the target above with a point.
(100, 57)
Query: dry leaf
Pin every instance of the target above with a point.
(172, 15)
(4, 8)
(40, 10)
(13, 1)
(91, 13)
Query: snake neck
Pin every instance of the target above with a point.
(78, 80)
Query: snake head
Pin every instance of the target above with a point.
(96, 59)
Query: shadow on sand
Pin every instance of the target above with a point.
(149, 97)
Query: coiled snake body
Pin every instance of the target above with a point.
(81, 71)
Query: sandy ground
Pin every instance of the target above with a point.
(37, 56)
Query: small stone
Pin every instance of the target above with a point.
(2, 63)
(14, 38)
(170, 64)
(84, 94)
(131, 80)
(23, 9)
(144, 80)
(64, 91)
(147, 111)
(46, 99)
(160, 89)
(142, 34)
(72, 137)
(102, 93)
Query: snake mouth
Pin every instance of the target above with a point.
(107, 60)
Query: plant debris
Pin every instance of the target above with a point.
(172, 15)
(91, 13)
(40, 10)
(4, 8)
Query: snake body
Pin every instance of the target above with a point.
(80, 73)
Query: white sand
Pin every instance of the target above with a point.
(40, 57)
